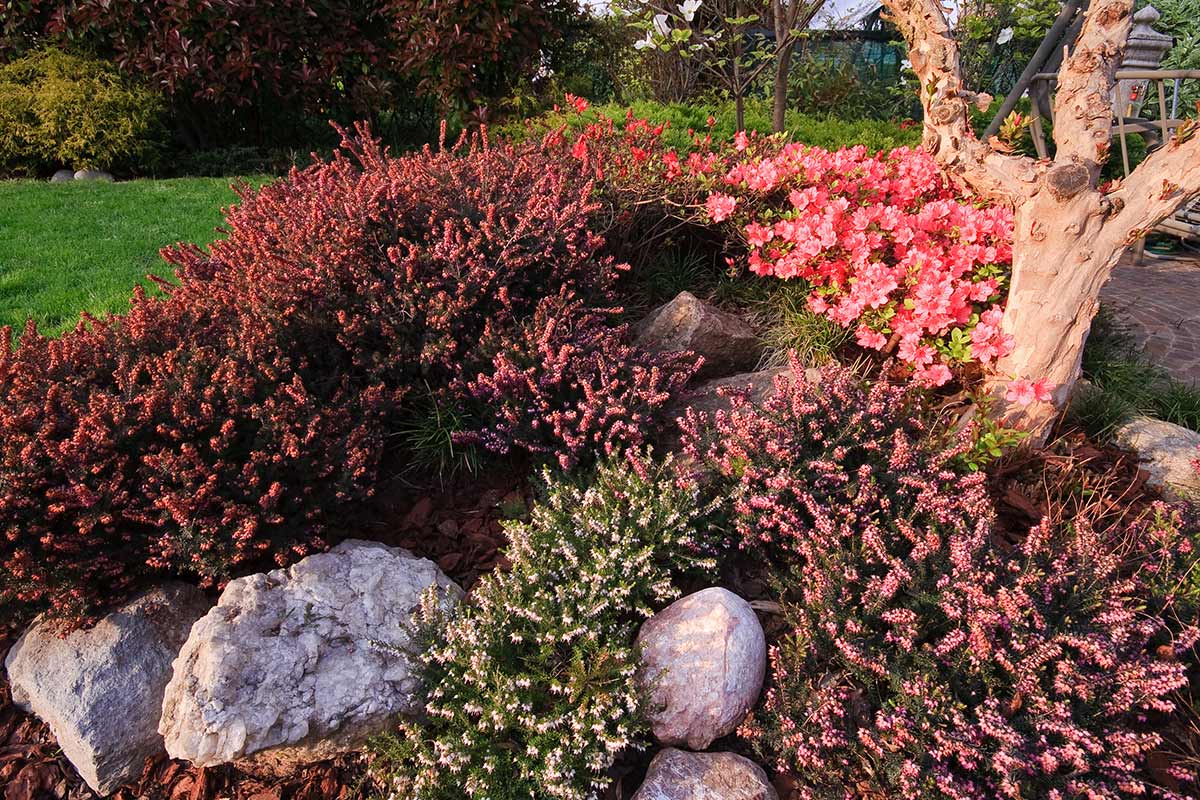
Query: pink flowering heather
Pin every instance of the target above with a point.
(921, 662)
(220, 426)
(887, 243)
(569, 386)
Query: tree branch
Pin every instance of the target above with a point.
(1168, 178)
(948, 135)
(1082, 104)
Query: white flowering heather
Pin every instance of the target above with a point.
(532, 689)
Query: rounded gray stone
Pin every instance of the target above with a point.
(93, 175)
(1166, 451)
(298, 665)
(678, 775)
(727, 342)
(703, 662)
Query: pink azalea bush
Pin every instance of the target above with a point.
(919, 660)
(890, 247)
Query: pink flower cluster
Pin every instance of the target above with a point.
(887, 245)
(923, 662)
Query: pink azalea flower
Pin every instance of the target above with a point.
(758, 235)
(720, 206)
(869, 338)
(933, 375)
(1024, 392)
(741, 141)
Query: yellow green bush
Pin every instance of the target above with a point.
(58, 109)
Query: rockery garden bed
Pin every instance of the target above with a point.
(497, 471)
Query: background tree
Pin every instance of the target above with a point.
(1069, 231)
(727, 42)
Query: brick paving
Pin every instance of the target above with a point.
(1160, 301)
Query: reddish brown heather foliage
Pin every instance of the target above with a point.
(223, 423)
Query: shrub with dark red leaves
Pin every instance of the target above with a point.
(224, 423)
(311, 53)
(919, 660)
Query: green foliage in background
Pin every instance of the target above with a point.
(65, 110)
(820, 131)
(1181, 19)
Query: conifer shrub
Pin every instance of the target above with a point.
(221, 424)
(531, 686)
(63, 110)
(919, 660)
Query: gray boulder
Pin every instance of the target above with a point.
(301, 664)
(678, 775)
(727, 342)
(703, 662)
(93, 175)
(62, 176)
(100, 690)
(1166, 451)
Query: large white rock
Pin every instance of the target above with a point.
(1166, 451)
(100, 690)
(300, 664)
(726, 341)
(703, 662)
(677, 775)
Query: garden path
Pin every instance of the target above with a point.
(1160, 301)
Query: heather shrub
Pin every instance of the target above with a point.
(920, 661)
(531, 686)
(65, 110)
(571, 385)
(224, 423)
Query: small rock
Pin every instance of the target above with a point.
(714, 395)
(727, 342)
(1167, 452)
(301, 664)
(677, 775)
(100, 690)
(703, 662)
(93, 175)
(62, 176)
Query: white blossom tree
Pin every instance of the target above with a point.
(723, 38)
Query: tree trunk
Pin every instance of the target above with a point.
(783, 66)
(1067, 234)
(1061, 258)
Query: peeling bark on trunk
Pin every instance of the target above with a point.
(1057, 275)
(1067, 234)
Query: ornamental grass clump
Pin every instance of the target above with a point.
(531, 687)
(920, 661)
(223, 423)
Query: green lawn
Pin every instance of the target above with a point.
(72, 247)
